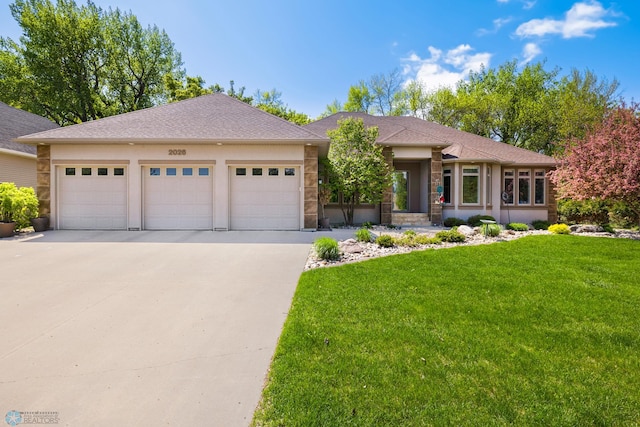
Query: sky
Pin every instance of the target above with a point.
(312, 52)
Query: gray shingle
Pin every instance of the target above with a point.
(215, 117)
(15, 123)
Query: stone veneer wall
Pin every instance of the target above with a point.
(552, 203)
(436, 179)
(43, 178)
(386, 206)
(310, 187)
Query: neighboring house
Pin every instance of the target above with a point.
(215, 163)
(442, 172)
(18, 161)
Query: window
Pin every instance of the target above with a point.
(471, 184)
(118, 171)
(488, 183)
(102, 171)
(289, 171)
(86, 171)
(509, 184)
(171, 171)
(70, 171)
(203, 171)
(241, 171)
(256, 172)
(273, 171)
(187, 171)
(524, 187)
(447, 185)
(539, 193)
(154, 171)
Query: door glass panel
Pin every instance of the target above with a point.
(400, 191)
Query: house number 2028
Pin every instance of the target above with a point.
(174, 152)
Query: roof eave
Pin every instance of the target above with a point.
(166, 141)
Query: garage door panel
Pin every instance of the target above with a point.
(92, 202)
(180, 201)
(265, 202)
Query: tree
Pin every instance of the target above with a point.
(359, 98)
(606, 164)
(78, 63)
(191, 88)
(358, 170)
(333, 108)
(385, 90)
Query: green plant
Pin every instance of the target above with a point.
(17, 205)
(327, 248)
(540, 224)
(592, 211)
(393, 227)
(453, 222)
(408, 241)
(559, 229)
(368, 225)
(363, 235)
(517, 226)
(423, 239)
(491, 230)
(385, 241)
(451, 236)
(474, 221)
(409, 233)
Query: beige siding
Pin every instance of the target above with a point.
(18, 169)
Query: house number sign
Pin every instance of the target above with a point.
(177, 152)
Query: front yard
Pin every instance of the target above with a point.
(544, 330)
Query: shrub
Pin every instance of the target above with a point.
(393, 227)
(540, 224)
(451, 236)
(363, 235)
(368, 225)
(518, 226)
(385, 241)
(474, 221)
(491, 230)
(621, 216)
(592, 211)
(409, 233)
(559, 229)
(327, 248)
(17, 205)
(453, 222)
(423, 239)
(408, 241)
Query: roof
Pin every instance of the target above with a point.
(458, 145)
(15, 123)
(207, 118)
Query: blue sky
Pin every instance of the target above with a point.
(313, 51)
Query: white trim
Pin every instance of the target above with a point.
(18, 153)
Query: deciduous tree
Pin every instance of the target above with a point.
(358, 170)
(606, 164)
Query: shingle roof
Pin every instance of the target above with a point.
(459, 145)
(15, 123)
(215, 117)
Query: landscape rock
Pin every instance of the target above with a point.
(466, 230)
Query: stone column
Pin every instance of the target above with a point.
(552, 203)
(310, 187)
(387, 197)
(436, 179)
(43, 177)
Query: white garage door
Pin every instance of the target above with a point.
(265, 198)
(178, 197)
(92, 198)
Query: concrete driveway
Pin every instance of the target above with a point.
(143, 328)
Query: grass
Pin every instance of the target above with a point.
(543, 330)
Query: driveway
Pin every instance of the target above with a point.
(143, 328)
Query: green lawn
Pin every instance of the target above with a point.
(543, 330)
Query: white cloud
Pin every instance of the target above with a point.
(497, 24)
(530, 51)
(580, 21)
(445, 68)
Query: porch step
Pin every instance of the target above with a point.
(410, 219)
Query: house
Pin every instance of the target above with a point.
(206, 163)
(215, 163)
(442, 172)
(18, 161)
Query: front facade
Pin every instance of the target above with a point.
(209, 163)
(215, 163)
(18, 161)
(440, 172)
